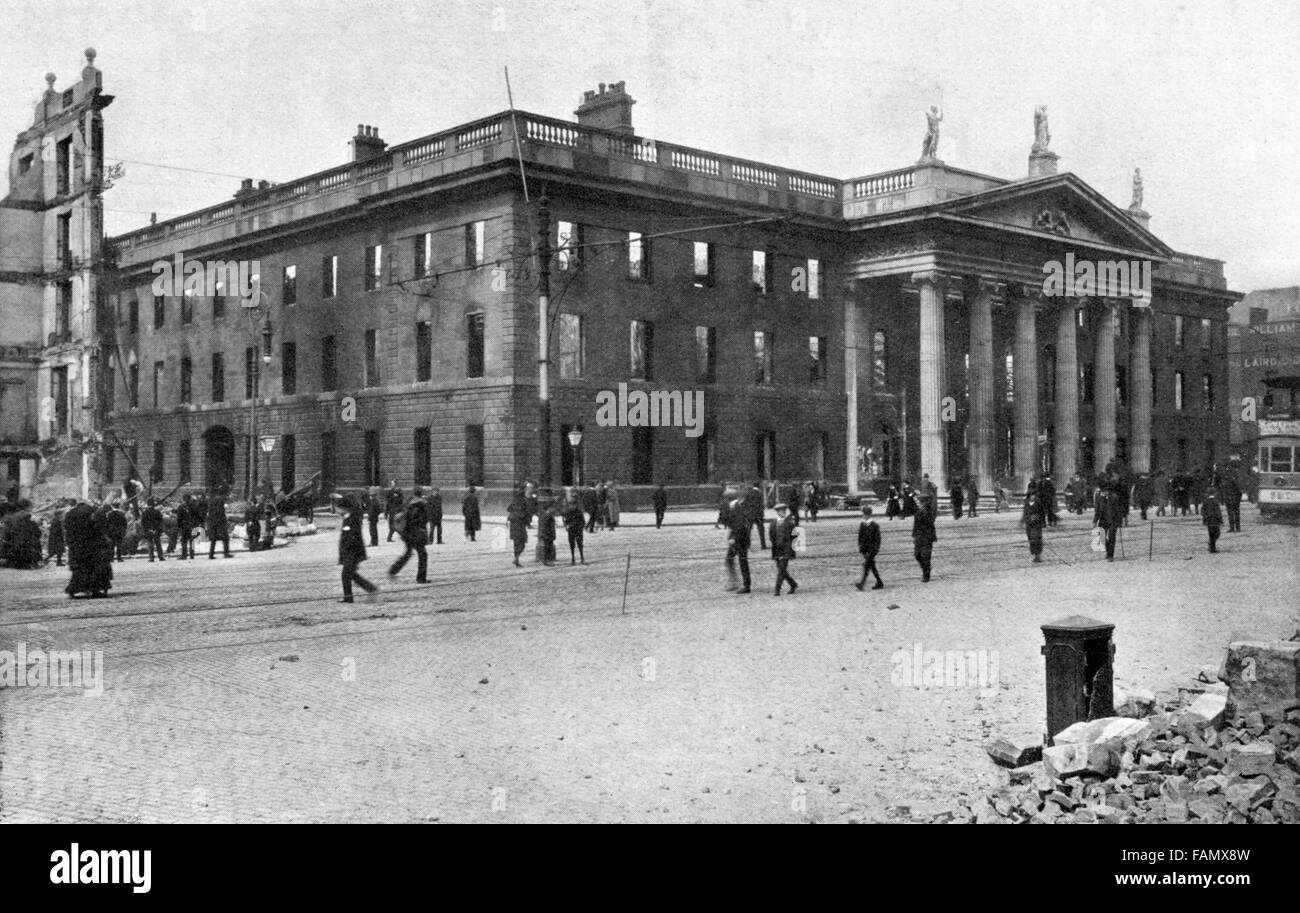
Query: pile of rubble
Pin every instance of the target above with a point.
(1222, 749)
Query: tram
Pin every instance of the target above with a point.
(1279, 451)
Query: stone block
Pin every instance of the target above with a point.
(1014, 751)
(1088, 759)
(1252, 759)
(1113, 731)
(1135, 703)
(1206, 710)
(1263, 675)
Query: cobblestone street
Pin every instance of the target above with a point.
(242, 690)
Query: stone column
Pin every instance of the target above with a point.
(1025, 364)
(981, 384)
(934, 383)
(1103, 385)
(1140, 391)
(1067, 392)
(851, 384)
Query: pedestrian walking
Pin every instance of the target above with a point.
(187, 519)
(782, 538)
(1212, 517)
(972, 498)
(1230, 496)
(393, 501)
(924, 537)
(116, 524)
(151, 523)
(611, 505)
(253, 525)
(738, 542)
(546, 533)
(574, 522)
(1108, 513)
(756, 510)
(434, 502)
(89, 551)
(660, 501)
(473, 519)
(956, 497)
(869, 547)
(352, 547)
(372, 510)
(517, 522)
(591, 506)
(414, 535)
(218, 526)
(1034, 518)
(999, 497)
(893, 504)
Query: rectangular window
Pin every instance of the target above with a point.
(59, 393)
(703, 264)
(1206, 333)
(288, 463)
(759, 272)
(184, 463)
(641, 361)
(571, 346)
(187, 306)
(329, 368)
(814, 279)
(817, 360)
(1009, 374)
(474, 455)
(328, 460)
(250, 372)
(1179, 332)
(568, 244)
(638, 256)
(133, 385)
(643, 456)
(880, 356)
(423, 351)
(372, 458)
(474, 339)
(158, 368)
(374, 266)
(288, 368)
(218, 377)
(1178, 390)
(1279, 459)
(133, 317)
(704, 458)
(159, 312)
(474, 247)
(329, 276)
(423, 456)
(25, 164)
(372, 359)
(63, 166)
(706, 355)
(422, 254)
(64, 240)
(159, 461)
(1207, 392)
(289, 284)
(63, 317)
(762, 357)
(765, 454)
(219, 301)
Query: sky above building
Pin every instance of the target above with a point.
(1199, 95)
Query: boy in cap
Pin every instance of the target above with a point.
(869, 546)
(782, 537)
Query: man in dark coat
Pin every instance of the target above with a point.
(1143, 493)
(1108, 512)
(473, 519)
(187, 517)
(972, 498)
(392, 507)
(755, 510)
(1230, 495)
(373, 510)
(782, 536)
(957, 497)
(869, 547)
(415, 534)
(151, 523)
(546, 533)
(434, 502)
(56, 544)
(660, 500)
(517, 521)
(574, 522)
(923, 536)
(116, 525)
(218, 525)
(89, 552)
(1212, 517)
(738, 542)
(253, 525)
(1034, 518)
(352, 548)
(591, 505)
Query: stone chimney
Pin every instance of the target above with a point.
(607, 109)
(367, 144)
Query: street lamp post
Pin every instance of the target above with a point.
(258, 306)
(575, 441)
(268, 444)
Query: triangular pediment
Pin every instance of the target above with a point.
(1058, 206)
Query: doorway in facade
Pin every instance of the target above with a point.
(219, 458)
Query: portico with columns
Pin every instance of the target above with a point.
(965, 365)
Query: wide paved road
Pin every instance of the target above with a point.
(241, 690)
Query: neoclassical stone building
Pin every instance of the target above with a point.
(892, 324)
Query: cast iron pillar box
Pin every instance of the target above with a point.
(1080, 671)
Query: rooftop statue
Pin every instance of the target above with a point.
(930, 147)
(1137, 189)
